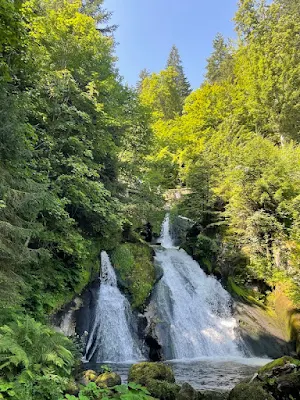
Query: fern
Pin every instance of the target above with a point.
(35, 361)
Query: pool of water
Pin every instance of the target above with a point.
(204, 373)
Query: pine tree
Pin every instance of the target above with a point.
(143, 74)
(219, 63)
(175, 62)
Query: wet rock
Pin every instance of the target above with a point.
(158, 378)
(260, 332)
(248, 391)
(88, 376)
(155, 349)
(187, 392)
(287, 387)
(213, 395)
(162, 390)
(180, 226)
(144, 371)
(279, 380)
(64, 320)
(284, 364)
(85, 316)
(108, 379)
(152, 339)
(159, 272)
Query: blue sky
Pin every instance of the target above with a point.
(148, 29)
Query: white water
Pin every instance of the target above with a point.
(111, 338)
(194, 309)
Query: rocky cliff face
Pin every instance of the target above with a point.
(261, 332)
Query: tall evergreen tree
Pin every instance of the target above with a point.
(143, 74)
(182, 82)
(220, 62)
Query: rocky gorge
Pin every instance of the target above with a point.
(256, 333)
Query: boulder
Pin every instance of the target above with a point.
(282, 365)
(142, 372)
(108, 379)
(213, 395)
(162, 390)
(287, 387)
(248, 391)
(187, 392)
(89, 376)
(158, 378)
(279, 379)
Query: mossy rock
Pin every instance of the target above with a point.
(142, 372)
(187, 392)
(158, 378)
(135, 270)
(213, 395)
(108, 379)
(90, 376)
(287, 386)
(248, 391)
(279, 362)
(162, 390)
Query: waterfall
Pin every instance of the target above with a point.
(193, 310)
(111, 338)
(165, 237)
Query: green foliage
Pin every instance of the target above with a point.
(133, 262)
(181, 81)
(236, 149)
(219, 64)
(160, 92)
(35, 361)
(131, 391)
(72, 143)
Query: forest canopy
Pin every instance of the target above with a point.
(235, 145)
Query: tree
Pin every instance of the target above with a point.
(94, 9)
(161, 93)
(142, 75)
(219, 64)
(66, 122)
(246, 18)
(181, 80)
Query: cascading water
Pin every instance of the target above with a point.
(193, 309)
(111, 338)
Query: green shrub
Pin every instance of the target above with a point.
(35, 361)
(131, 391)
